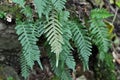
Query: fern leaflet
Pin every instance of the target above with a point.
(100, 38)
(20, 2)
(99, 30)
(100, 14)
(82, 42)
(59, 4)
(28, 40)
(59, 71)
(25, 69)
(53, 31)
(40, 6)
(66, 53)
(39, 30)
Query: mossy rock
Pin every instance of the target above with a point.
(7, 72)
(14, 10)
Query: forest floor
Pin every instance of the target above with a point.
(10, 50)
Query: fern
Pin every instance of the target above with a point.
(66, 55)
(39, 30)
(66, 75)
(28, 40)
(27, 11)
(40, 6)
(98, 30)
(25, 69)
(59, 71)
(56, 25)
(54, 33)
(59, 4)
(66, 58)
(63, 17)
(82, 42)
(100, 14)
(20, 2)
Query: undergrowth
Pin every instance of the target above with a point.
(51, 19)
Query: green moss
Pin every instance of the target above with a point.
(14, 10)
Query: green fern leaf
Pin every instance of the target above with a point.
(100, 13)
(59, 4)
(70, 62)
(25, 69)
(27, 11)
(20, 2)
(99, 30)
(66, 55)
(66, 75)
(40, 6)
(59, 71)
(54, 33)
(63, 16)
(66, 59)
(82, 42)
(28, 40)
(39, 30)
(100, 37)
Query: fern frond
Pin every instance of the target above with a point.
(100, 13)
(66, 60)
(59, 4)
(39, 30)
(53, 31)
(27, 11)
(70, 62)
(66, 55)
(66, 75)
(63, 16)
(20, 2)
(82, 42)
(100, 37)
(25, 69)
(27, 37)
(60, 71)
(99, 31)
(40, 6)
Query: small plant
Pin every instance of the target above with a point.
(10, 78)
(63, 34)
(2, 14)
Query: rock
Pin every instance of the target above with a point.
(8, 37)
(8, 72)
(2, 26)
(2, 58)
(8, 43)
(9, 46)
(81, 78)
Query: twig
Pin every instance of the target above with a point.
(115, 15)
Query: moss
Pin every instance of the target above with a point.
(8, 73)
(14, 10)
(2, 76)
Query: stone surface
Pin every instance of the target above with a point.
(7, 72)
(2, 26)
(8, 38)
(81, 78)
(9, 46)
